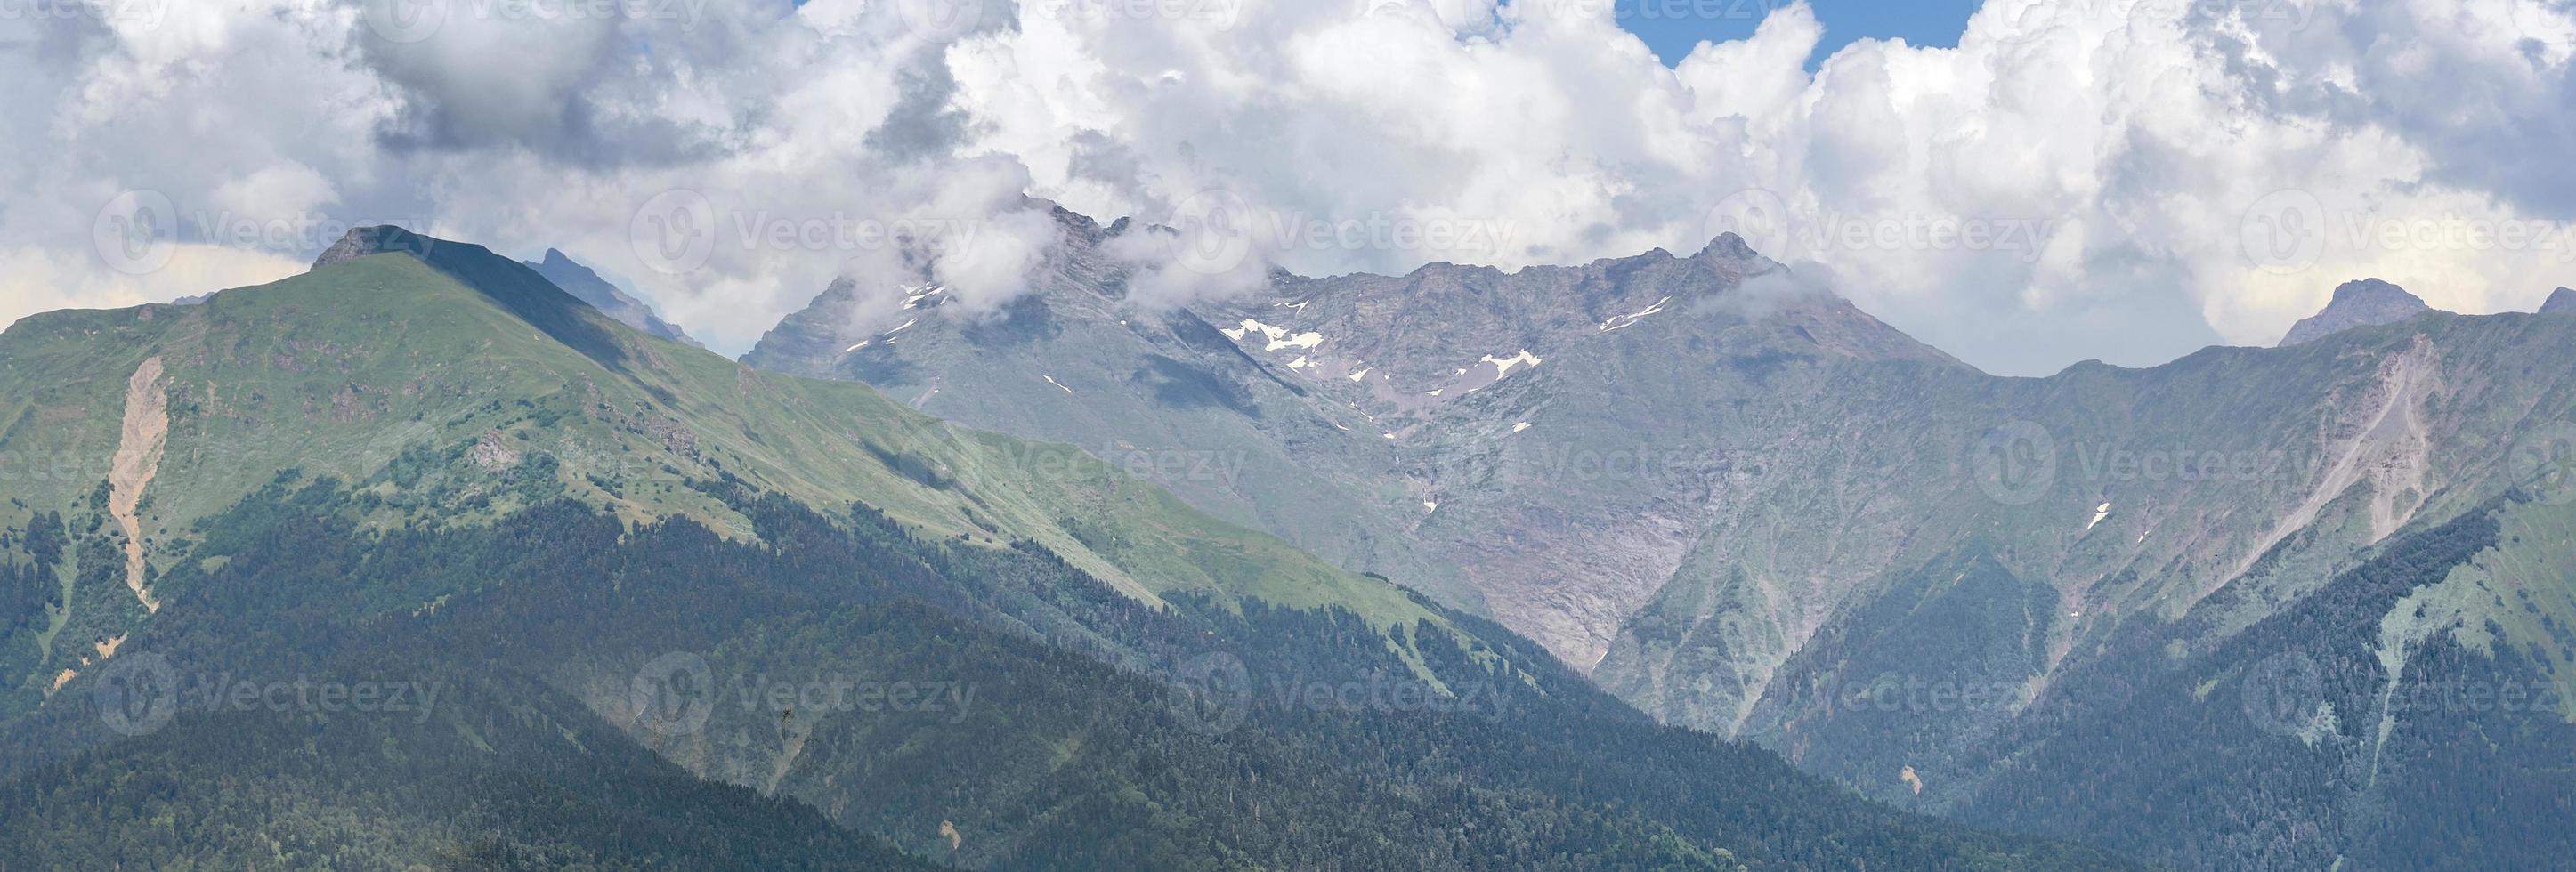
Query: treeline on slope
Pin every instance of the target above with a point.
(2294, 709)
(1070, 756)
(500, 773)
(31, 591)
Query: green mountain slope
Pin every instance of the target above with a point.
(369, 358)
(419, 463)
(1742, 505)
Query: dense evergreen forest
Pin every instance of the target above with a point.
(2320, 721)
(1046, 722)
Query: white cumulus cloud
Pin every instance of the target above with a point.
(2122, 179)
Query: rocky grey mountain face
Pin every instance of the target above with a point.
(2364, 303)
(1742, 504)
(585, 283)
(2560, 302)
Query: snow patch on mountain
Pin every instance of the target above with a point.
(1617, 322)
(1277, 337)
(1503, 365)
(915, 294)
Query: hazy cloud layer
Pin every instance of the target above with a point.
(2123, 179)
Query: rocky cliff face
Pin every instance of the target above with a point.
(2364, 303)
(1415, 426)
(1166, 394)
(1742, 504)
(586, 284)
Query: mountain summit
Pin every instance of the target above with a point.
(2364, 303)
(585, 283)
(433, 470)
(1741, 504)
(2561, 301)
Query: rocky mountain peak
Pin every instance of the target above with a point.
(2561, 301)
(586, 284)
(379, 239)
(1728, 246)
(2364, 303)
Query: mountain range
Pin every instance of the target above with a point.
(2193, 613)
(1654, 562)
(420, 560)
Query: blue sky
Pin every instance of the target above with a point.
(1672, 27)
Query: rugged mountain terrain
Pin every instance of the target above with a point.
(1743, 505)
(586, 285)
(1365, 417)
(2364, 303)
(648, 608)
(1167, 395)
